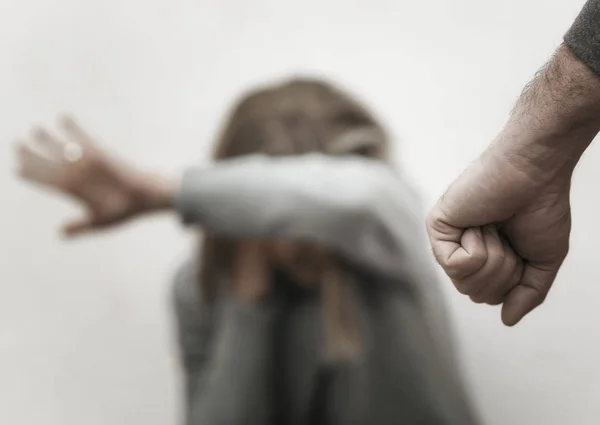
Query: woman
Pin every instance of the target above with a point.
(313, 300)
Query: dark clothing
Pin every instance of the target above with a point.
(583, 38)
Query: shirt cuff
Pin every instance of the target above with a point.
(583, 38)
(186, 195)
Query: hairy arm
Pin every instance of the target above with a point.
(555, 119)
(517, 191)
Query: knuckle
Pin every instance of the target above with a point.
(463, 288)
(477, 298)
(432, 222)
(540, 298)
(511, 261)
(464, 268)
(497, 254)
(479, 258)
(566, 249)
(429, 219)
(433, 215)
(453, 273)
(439, 258)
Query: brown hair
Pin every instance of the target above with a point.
(293, 118)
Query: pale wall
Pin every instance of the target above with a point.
(85, 330)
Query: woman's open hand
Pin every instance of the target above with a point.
(110, 191)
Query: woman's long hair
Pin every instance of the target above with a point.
(294, 118)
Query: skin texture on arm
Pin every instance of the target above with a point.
(501, 230)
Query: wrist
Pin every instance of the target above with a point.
(153, 193)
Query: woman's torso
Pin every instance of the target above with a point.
(403, 377)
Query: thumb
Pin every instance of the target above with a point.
(528, 294)
(77, 227)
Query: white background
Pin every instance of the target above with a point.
(85, 327)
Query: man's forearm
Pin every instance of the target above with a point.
(558, 114)
(556, 117)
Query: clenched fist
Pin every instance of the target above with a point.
(501, 231)
(501, 234)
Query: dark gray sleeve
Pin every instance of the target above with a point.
(583, 38)
(226, 359)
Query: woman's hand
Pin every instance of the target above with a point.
(110, 191)
(252, 271)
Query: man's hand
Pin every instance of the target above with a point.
(501, 234)
(110, 191)
(501, 231)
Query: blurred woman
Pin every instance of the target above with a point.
(312, 300)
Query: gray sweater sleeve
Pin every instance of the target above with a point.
(226, 359)
(583, 38)
(357, 206)
(235, 386)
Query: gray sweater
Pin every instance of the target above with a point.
(370, 215)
